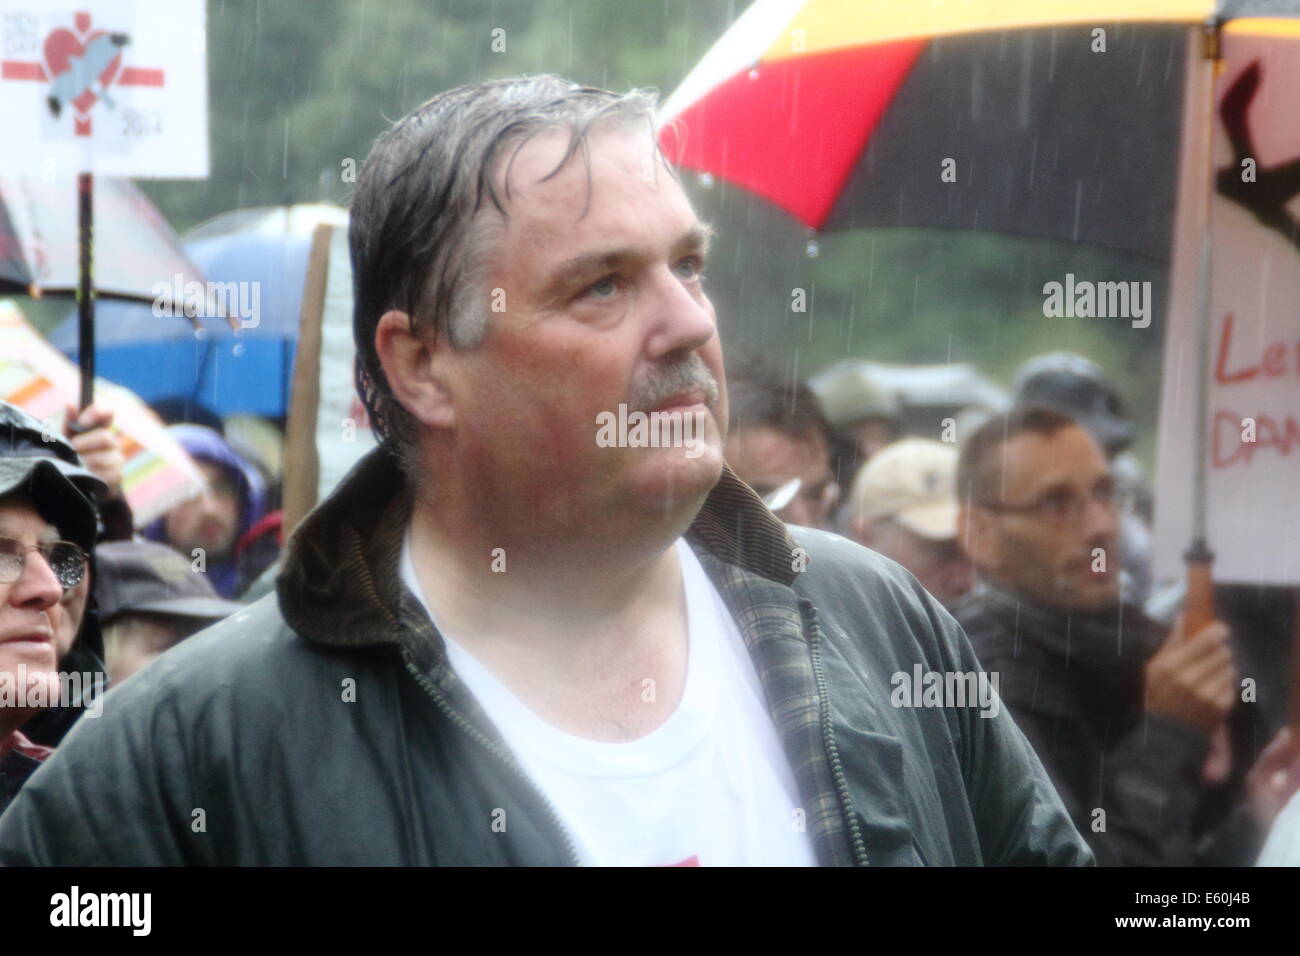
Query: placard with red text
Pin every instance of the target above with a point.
(1253, 368)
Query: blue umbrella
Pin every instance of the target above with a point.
(264, 252)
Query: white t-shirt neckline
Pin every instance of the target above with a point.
(653, 753)
(710, 786)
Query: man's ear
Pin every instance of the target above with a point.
(410, 365)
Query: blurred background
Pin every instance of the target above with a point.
(295, 91)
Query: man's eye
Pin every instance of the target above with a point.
(602, 289)
(1058, 503)
(690, 268)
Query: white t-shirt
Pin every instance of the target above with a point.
(1283, 845)
(711, 786)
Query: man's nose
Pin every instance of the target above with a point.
(1100, 521)
(37, 586)
(681, 318)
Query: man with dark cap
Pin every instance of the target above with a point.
(47, 529)
(150, 599)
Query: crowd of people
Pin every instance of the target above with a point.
(136, 593)
(497, 642)
(1033, 527)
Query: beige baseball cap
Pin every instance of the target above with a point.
(913, 481)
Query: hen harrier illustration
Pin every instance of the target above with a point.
(1274, 186)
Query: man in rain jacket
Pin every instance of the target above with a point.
(480, 648)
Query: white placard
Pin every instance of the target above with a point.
(1253, 366)
(112, 87)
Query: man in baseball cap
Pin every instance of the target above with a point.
(47, 531)
(1076, 386)
(904, 505)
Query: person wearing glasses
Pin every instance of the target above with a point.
(778, 442)
(1120, 712)
(47, 527)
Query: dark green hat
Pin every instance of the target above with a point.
(44, 466)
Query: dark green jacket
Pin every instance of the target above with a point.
(328, 728)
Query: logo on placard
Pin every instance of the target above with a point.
(81, 65)
(1264, 191)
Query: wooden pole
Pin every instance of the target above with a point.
(86, 285)
(1293, 692)
(1200, 560)
(1199, 610)
(301, 465)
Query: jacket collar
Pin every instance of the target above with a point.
(340, 584)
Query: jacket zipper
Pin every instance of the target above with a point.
(474, 733)
(488, 744)
(828, 739)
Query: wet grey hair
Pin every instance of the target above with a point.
(418, 242)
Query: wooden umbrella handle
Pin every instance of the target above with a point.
(1197, 613)
(1199, 609)
(1293, 691)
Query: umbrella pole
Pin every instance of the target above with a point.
(1199, 609)
(1293, 701)
(85, 285)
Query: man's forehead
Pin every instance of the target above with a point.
(19, 518)
(537, 169)
(537, 155)
(767, 448)
(1034, 459)
(600, 211)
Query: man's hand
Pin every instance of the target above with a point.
(1273, 779)
(98, 447)
(1192, 678)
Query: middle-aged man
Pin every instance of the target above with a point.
(1120, 713)
(508, 642)
(47, 526)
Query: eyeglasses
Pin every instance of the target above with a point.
(1062, 506)
(66, 560)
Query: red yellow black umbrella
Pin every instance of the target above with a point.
(1052, 118)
